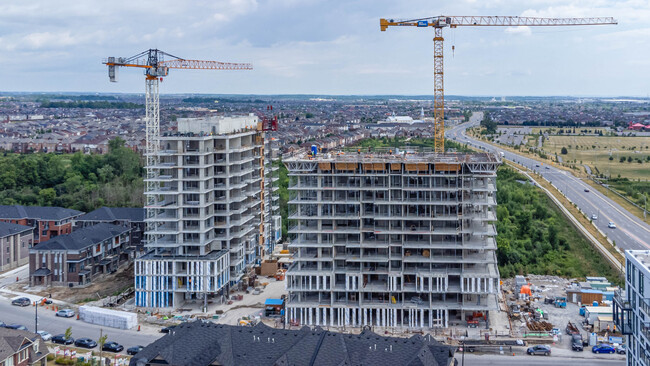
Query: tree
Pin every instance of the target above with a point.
(68, 333)
(622, 159)
(100, 342)
(564, 151)
(47, 196)
(629, 159)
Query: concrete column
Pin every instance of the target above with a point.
(317, 311)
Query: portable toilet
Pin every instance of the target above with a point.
(314, 150)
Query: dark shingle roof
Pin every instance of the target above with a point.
(114, 214)
(37, 212)
(11, 341)
(201, 343)
(82, 238)
(7, 228)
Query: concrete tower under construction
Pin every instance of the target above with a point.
(391, 239)
(208, 228)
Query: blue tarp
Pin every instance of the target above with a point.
(273, 302)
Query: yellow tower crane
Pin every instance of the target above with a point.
(440, 22)
(156, 65)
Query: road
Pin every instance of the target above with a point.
(484, 360)
(56, 325)
(630, 231)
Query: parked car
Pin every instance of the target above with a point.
(540, 349)
(85, 343)
(167, 329)
(16, 326)
(21, 301)
(44, 335)
(603, 348)
(112, 347)
(66, 313)
(621, 350)
(133, 350)
(576, 343)
(61, 339)
(611, 225)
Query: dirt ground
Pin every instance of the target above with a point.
(109, 286)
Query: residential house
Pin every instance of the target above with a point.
(47, 222)
(22, 348)
(15, 241)
(80, 257)
(203, 343)
(129, 216)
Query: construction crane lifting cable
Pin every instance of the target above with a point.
(156, 65)
(440, 22)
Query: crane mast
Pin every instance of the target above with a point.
(440, 22)
(155, 68)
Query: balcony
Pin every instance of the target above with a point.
(622, 309)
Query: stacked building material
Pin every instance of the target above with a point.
(107, 317)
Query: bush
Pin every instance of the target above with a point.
(564, 150)
(50, 357)
(64, 361)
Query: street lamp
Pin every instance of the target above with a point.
(36, 314)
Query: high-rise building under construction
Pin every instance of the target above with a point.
(208, 227)
(391, 239)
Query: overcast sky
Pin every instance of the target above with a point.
(325, 47)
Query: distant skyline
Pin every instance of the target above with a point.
(326, 47)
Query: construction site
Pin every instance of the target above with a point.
(392, 239)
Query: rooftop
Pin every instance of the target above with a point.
(83, 238)
(404, 154)
(114, 214)
(218, 125)
(204, 343)
(37, 212)
(7, 229)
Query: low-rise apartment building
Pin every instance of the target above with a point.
(126, 216)
(15, 241)
(47, 222)
(80, 257)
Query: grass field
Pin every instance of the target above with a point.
(595, 152)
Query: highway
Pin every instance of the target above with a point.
(630, 231)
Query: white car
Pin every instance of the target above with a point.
(66, 313)
(611, 225)
(594, 217)
(45, 335)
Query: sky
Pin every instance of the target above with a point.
(326, 47)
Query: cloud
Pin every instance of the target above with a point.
(523, 30)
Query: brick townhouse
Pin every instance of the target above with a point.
(80, 257)
(15, 241)
(129, 216)
(47, 222)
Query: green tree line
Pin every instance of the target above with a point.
(79, 181)
(533, 237)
